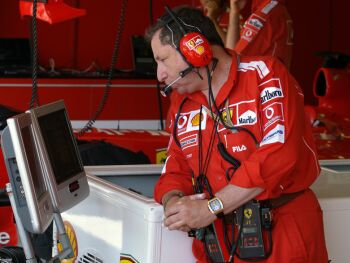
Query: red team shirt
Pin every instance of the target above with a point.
(268, 31)
(268, 102)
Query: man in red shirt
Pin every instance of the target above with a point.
(241, 156)
(267, 32)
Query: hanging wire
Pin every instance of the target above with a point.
(34, 45)
(114, 59)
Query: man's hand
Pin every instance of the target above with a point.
(212, 9)
(236, 6)
(188, 212)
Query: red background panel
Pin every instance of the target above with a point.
(319, 26)
(129, 99)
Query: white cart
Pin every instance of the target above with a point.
(120, 221)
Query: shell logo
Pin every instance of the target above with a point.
(126, 258)
(195, 120)
(73, 241)
(200, 50)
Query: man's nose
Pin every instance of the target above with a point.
(161, 74)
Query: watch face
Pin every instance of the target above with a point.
(215, 205)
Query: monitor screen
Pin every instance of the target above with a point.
(59, 152)
(14, 52)
(60, 148)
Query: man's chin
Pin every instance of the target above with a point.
(179, 90)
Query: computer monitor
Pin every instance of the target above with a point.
(57, 145)
(14, 53)
(31, 195)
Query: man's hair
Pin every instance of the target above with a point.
(191, 19)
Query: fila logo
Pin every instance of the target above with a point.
(239, 148)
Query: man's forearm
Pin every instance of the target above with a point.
(169, 195)
(233, 30)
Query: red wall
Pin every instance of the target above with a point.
(79, 42)
(319, 25)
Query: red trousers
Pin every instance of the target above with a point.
(297, 234)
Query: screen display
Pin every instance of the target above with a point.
(14, 52)
(60, 144)
(34, 165)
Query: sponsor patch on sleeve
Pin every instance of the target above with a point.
(270, 90)
(255, 22)
(266, 9)
(277, 134)
(271, 114)
(248, 34)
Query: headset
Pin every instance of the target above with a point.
(194, 48)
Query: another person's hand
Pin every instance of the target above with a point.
(188, 212)
(211, 9)
(236, 6)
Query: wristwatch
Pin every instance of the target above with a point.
(216, 207)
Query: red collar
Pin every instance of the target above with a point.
(225, 90)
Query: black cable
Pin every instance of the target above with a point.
(222, 150)
(34, 50)
(114, 59)
(160, 106)
(16, 254)
(222, 121)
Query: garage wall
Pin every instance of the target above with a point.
(319, 25)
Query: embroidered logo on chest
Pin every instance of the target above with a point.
(190, 121)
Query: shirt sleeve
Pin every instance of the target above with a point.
(262, 34)
(285, 158)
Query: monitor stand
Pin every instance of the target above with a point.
(26, 242)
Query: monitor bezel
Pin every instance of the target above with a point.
(40, 208)
(57, 190)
